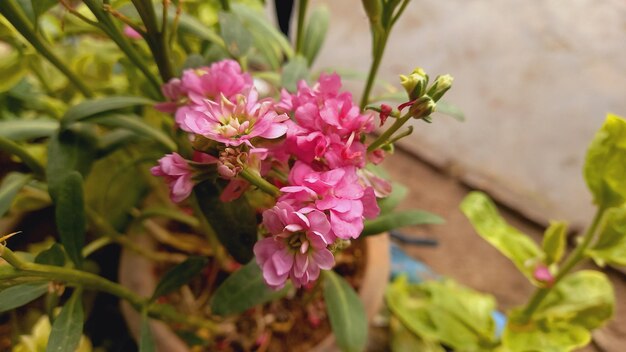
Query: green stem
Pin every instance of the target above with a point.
(385, 136)
(256, 179)
(13, 148)
(209, 233)
(572, 260)
(225, 5)
(75, 278)
(378, 52)
(18, 19)
(156, 38)
(302, 6)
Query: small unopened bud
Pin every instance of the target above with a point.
(543, 274)
(385, 111)
(422, 107)
(415, 83)
(440, 87)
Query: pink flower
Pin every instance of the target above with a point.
(221, 78)
(297, 247)
(177, 173)
(543, 274)
(336, 192)
(236, 123)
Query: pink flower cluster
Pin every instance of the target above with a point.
(326, 193)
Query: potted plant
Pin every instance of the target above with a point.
(253, 178)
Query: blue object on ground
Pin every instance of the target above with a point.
(416, 272)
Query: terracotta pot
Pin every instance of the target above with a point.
(136, 273)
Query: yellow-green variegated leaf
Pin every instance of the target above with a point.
(611, 245)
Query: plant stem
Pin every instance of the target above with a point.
(155, 37)
(256, 179)
(209, 233)
(384, 137)
(378, 52)
(573, 258)
(13, 148)
(302, 5)
(18, 19)
(75, 278)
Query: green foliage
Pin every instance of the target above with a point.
(294, 71)
(91, 108)
(389, 203)
(512, 243)
(179, 275)
(315, 33)
(403, 340)
(70, 215)
(554, 242)
(13, 68)
(399, 219)
(138, 126)
(605, 164)
(20, 130)
(234, 222)
(444, 312)
(51, 256)
(19, 295)
(67, 328)
(610, 247)
(345, 312)
(237, 37)
(11, 185)
(582, 301)
(243, 290)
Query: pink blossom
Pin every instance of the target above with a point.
(336, 192)
(543, 274)
(221, 78)
(178, 175)
(297, 248)
(236, 123)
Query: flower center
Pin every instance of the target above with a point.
(298, 242)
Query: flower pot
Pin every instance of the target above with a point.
(137, 274)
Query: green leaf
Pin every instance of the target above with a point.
(315, 33)
(20, 130)
(554, 241)
(51, 256)
(399, 219)
(11, 185)
(146, 340)
(544, 336)
(234, 222)
(114, 140)
(611, 245)
(512, 243)
(448, 109)
(70, 216)
(295, 70)
(243, 290)
(67, 328)
(169, 213)
(605, 164)
(136, 124)
(90, 108)
(189, 24)
(20, 295)
(179, 275)
(237, 38)
(389, 203)
(69, 150)
(345, 312)
(41, 6)
(403, 340)
(445, 312)
(583, 298)
(13, 68)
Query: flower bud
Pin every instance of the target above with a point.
(440, 87)
(422, 107)
(415, 83)
(542, 274)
